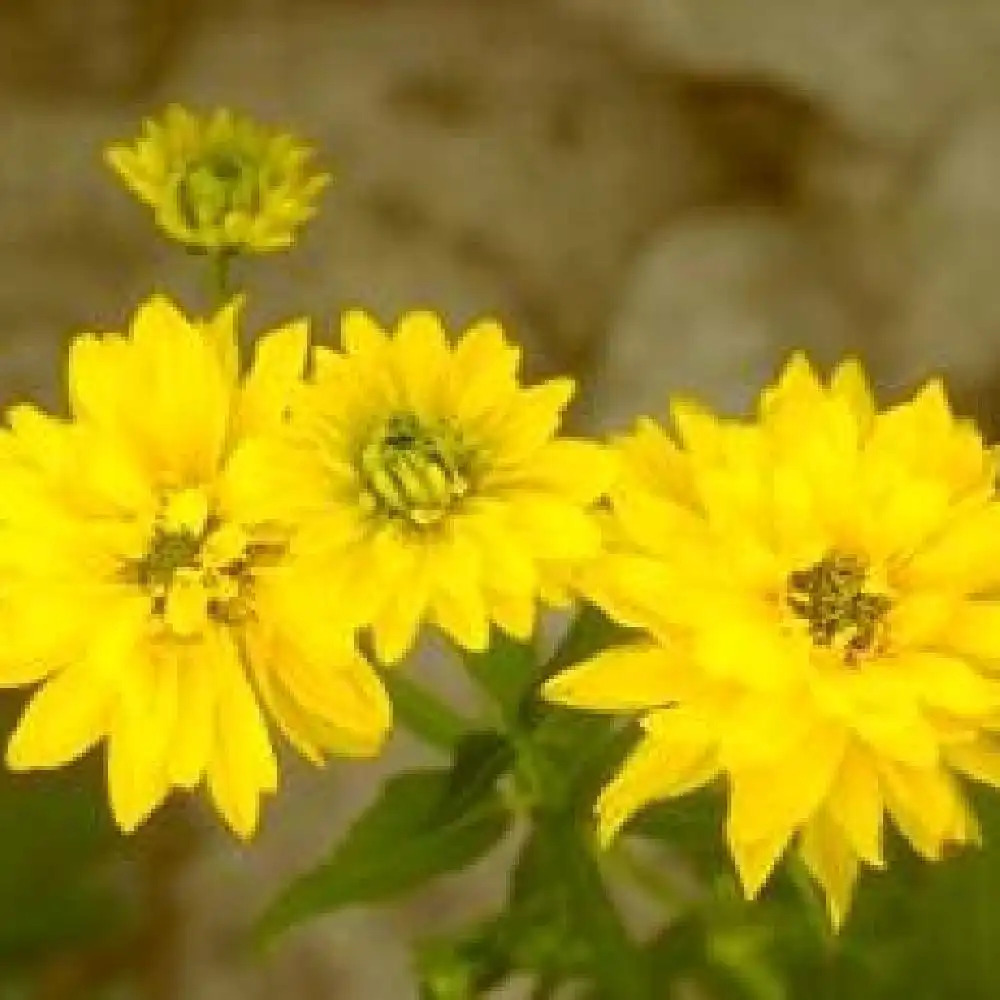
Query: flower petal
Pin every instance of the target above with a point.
(242, 765)
(139, 741)
(71, 711)
(269, 388)
(670, 761)
(831, 861)
(640, 675)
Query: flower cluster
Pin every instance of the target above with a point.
(818, 594)
(192, 544)
(197, 555)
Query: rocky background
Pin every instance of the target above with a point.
(656, 195)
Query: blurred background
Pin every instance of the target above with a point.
(655, 195)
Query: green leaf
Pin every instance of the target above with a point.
(14, 989)
(590, 631)
(692, 826)
(480, 759)
(536, 933)
(507, 670)
(558, 925)
(920, 930)
(616, 967)
(464, 968)
(567, 925)
(574, 752)
(397, 845)
(538, 930)
(676, 953)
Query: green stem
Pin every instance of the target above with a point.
(505, 673)
(528, 769)
(616, 962)
(424, 714)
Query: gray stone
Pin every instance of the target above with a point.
(489, 158)
(889, 68)
(714, 305)
(107, 47)
(949, 313)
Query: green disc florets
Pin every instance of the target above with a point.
(413, 469)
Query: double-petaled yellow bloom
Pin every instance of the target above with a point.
(440, 491)
(146, 578)
(819, 590)
(221, 184)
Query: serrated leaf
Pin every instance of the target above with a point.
(398, 844)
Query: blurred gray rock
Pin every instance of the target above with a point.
(949, 316)
(715, 303)
(488, 158)
(891, 69)
(108, 47)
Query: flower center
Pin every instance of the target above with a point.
(414, 470)
(220, 183)
(197, 570)
(831, 597)
(168, 552)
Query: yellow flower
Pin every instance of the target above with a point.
(221, 184)
(441, 491)
(146, 579)
(819, 590)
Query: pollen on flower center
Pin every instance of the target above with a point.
(168, 552)
(831, 597)
(414, 470)
(197, 569)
